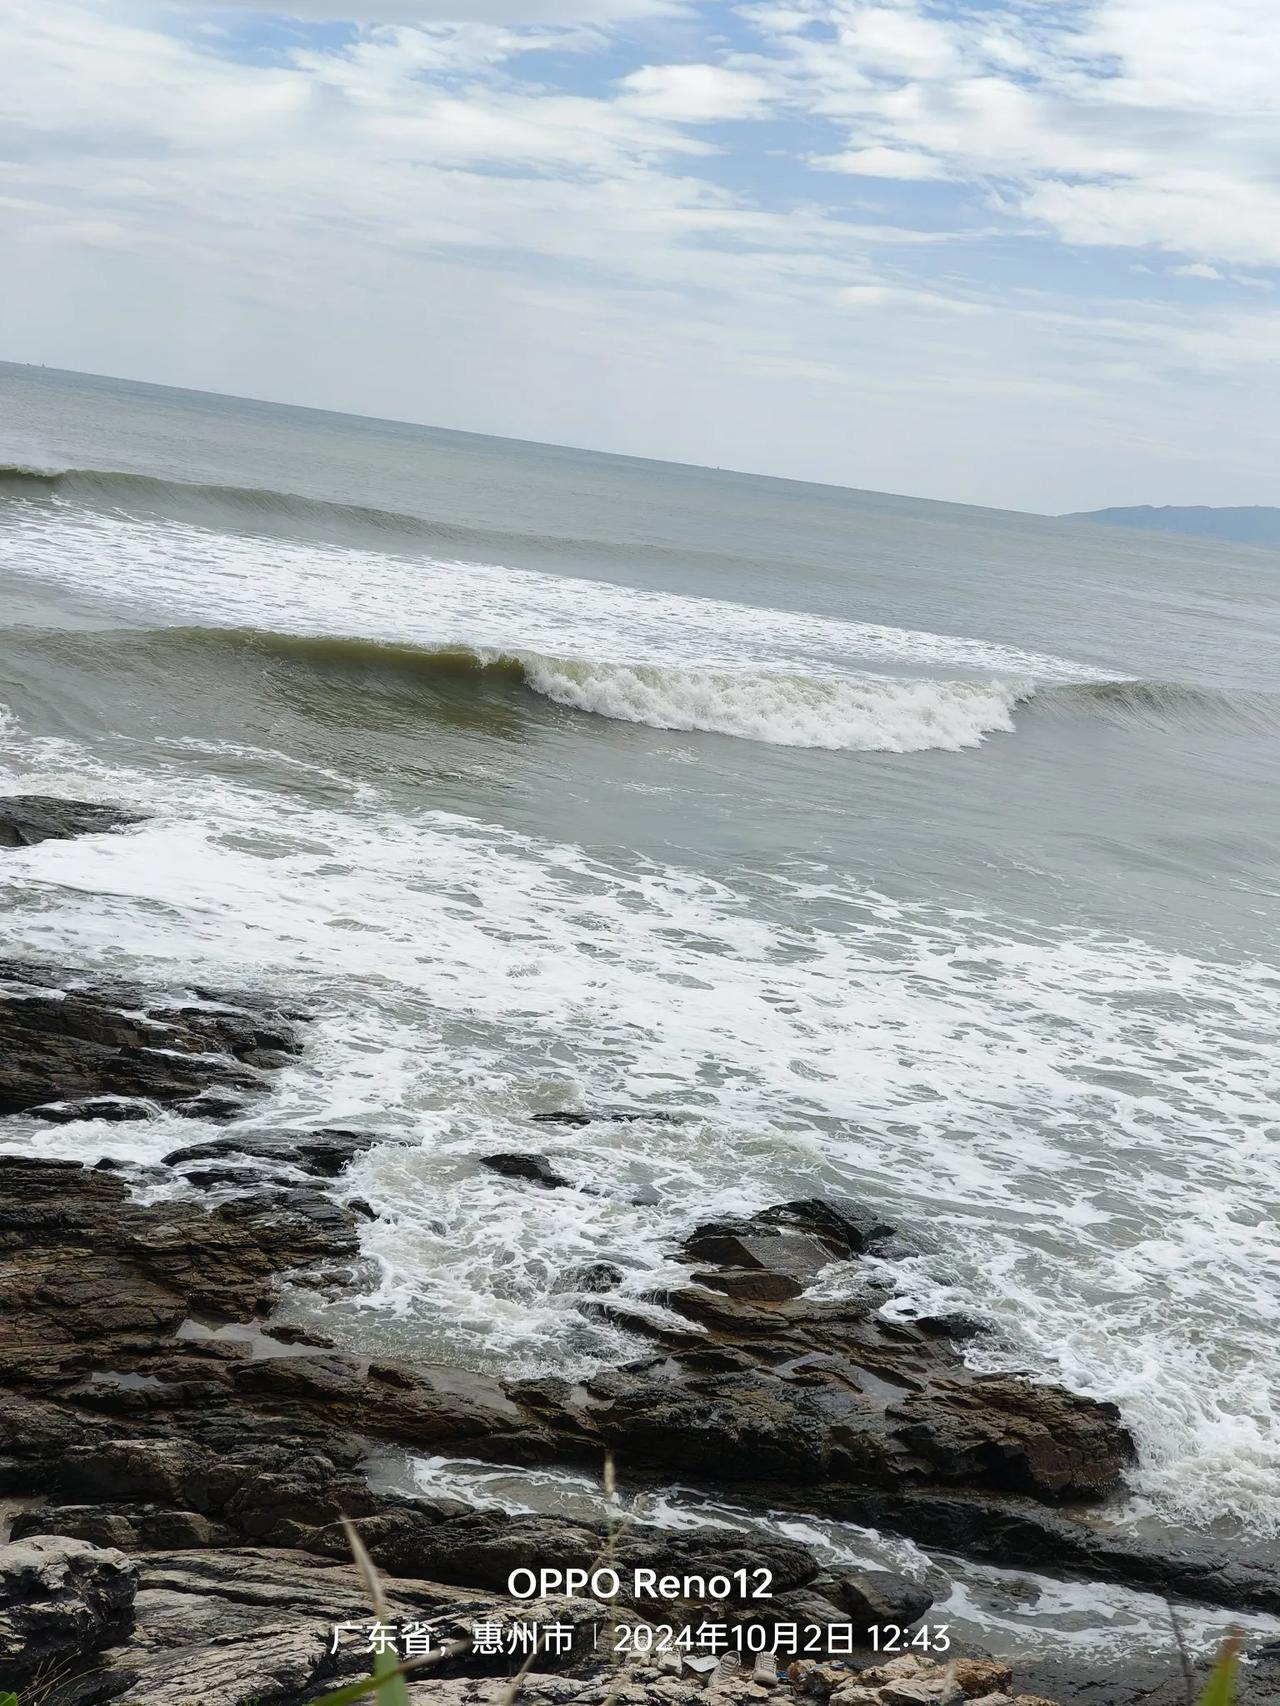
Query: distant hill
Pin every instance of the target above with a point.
(1259, 524)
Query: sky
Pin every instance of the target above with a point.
(1011, 252)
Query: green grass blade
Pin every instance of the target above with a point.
(1220, 1690)
(359, 1690)
(386, 1665)
(8, 1700)
(394, 1690)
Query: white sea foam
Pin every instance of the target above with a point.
(869, 714)
(1081, 1128)
(182, 573)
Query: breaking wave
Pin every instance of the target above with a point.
(839, 713)
(868, 714)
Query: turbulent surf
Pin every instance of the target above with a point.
(908, 853)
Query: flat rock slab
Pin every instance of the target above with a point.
(92, 1279)
(794, 1238)
(27, 819)
(254, 1626)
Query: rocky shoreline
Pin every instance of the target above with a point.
(176, 1495)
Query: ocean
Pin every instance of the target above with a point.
(911, 852)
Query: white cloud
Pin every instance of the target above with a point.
(901, 163)
(898, 40)
(1117, 123)
(1186, 56)
(1189, 212)
(913, 301)
(599, 12)
(1195, 269)
(695, 94)
(442, 222)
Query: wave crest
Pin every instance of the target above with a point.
(1133, 701)
(263, 510)
(870, 713)
(867, 714)
(836, 713)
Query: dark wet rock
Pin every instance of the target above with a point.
(427, 1407)
(641, 1318)
(957, 1328)
(288, 1333)
(63, 1045)
(535, 1168)
(109, 1403)
(296, 1208)
(482, 1548)
(128, 1528)
(90, 1277)
(240, 1178)
(104, 1403)
(847, 1227)
(810, 1606)
(111, 1108)
(797, 1238)
(325, 1153)
(26, 819)
(875, 1401)
(211, 1105)
(997, 1430)
(60, 1600)
(233, 1468)
(605, 1116)
(872, 1598)
(752, 1285)
(1138, 1678)
(731, 1426)
(1026, 1533)
(591, 1277)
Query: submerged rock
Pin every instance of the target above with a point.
(604, 1116)
(26, 819)
(535, 1168)
(590, 1278)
